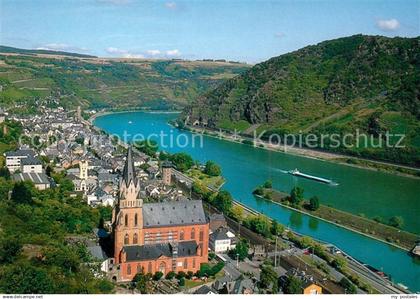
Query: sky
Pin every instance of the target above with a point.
(240, 30)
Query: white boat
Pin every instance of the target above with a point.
(296, 172)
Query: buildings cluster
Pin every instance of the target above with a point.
(155, 226)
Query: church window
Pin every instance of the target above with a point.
(126, 220)
(135, 219)
(185, 263)
(126, 241)
(135, 239)
(181, 235)
(128, 269)
(149, 268)
(193, 233)
(201, 235)
(193, 263)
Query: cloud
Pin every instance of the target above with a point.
(112, 50)
(174, 52)
(388, 25)
(130, 55)
(170, 5)
(123, 53)
(279, 34)
(153, 52)
(62, 47)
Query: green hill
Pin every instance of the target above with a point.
(370, 83)
(28, 77)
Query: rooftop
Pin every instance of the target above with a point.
(185, 212)
(154, 251)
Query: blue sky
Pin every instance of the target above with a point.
(243, 30)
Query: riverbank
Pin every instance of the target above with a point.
(364, 226)
(387, 167)
(104, 112)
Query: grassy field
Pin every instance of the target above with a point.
(214, 182)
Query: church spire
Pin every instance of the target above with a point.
(129, 172)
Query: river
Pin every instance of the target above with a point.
(244, 167)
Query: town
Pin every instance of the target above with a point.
(163, 235)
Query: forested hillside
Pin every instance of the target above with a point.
(70, 80)
(370, 83)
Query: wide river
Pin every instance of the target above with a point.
(244, 167)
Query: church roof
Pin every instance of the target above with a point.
(154, 251)
(185, 212)
(129, 172)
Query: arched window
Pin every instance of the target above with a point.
(126, 240)
(193, 233)
(128, 269)
(149, 267)
(201, 236)
(181, 234)
(170, 236)
(162, 267)
(135, 239)
(185, 263)
(126, 220)
(135, 219)
(193, 264)
(139, 268)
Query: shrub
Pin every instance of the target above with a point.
(170, 275)
(158, 275)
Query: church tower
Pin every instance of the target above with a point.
(127, 216)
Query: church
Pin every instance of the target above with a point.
(152, 237)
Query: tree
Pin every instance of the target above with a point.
(314, 203)
(189, 275)
(10, 246)
(182, 161)
(240, 251)
(170, 275)
(268, 278)
(158, 275)
(180, 274)
(260, 224)
(258, 191)
(223, 201)
(181, 282)
(149, 147)
(293, 285)
(396, 221)
(212, 169)
(238, 213)
(268, 184)
(348, 286)
(22, 192)
(276, 228)
(142, 282)
(4, 173)
(339, 263)
(296, 195)
(23, 278)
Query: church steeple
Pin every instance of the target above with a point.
(129, 173)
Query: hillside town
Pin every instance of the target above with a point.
(161, 228)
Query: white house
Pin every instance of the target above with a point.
(14, 158)
(222, 240)
(30, 164)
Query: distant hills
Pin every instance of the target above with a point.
(366, 82)
(28, 77)
(6, 49)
